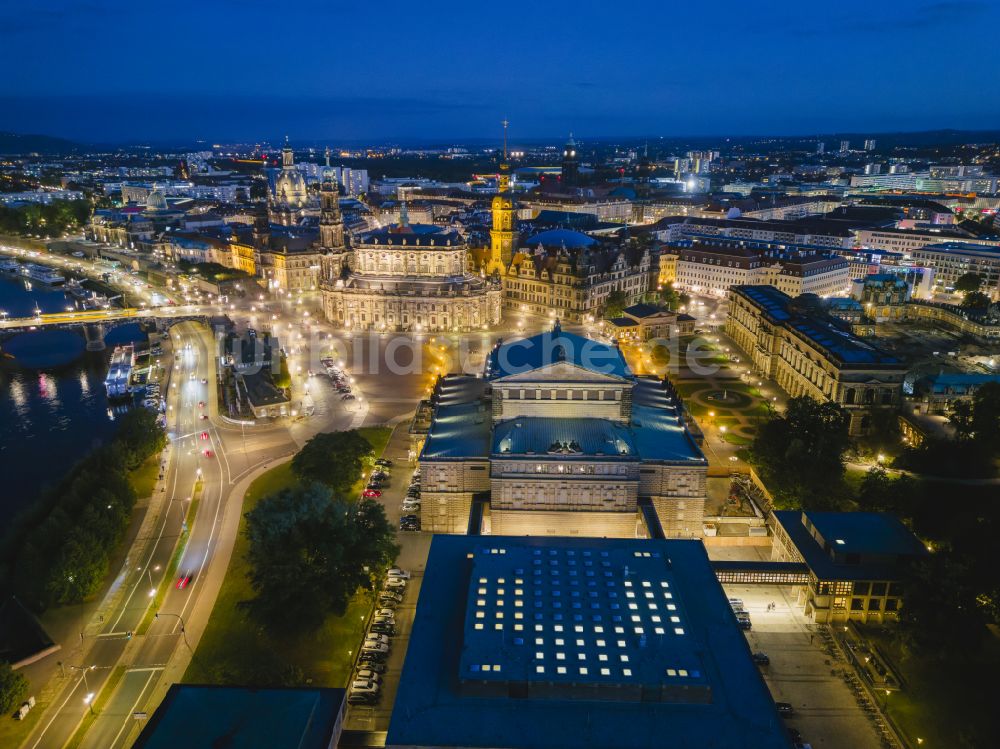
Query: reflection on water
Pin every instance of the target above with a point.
(53, 408)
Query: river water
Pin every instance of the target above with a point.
(53, 407)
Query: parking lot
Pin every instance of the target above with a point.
(802, 672)
(413, 558)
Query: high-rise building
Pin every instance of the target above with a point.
(820, 148)
(870, 144)
(845, 146)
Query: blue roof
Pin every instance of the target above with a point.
(207, 717)
(587, 437)
(561, 238)
(462, 420)
(528, 354)
(622, 643)
(851, 545)
(657, 428)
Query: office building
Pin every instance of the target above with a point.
(857, 562)
(808, 354)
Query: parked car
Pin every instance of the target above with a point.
(380, 475)
(373, 667)
(373, 658)
(376, 638)
(362, 698)
(397, 572)
(386, 613)
(409, 525)
(410, 505)
(784, 708)
(371, 493)
(375, 647)
(395, 583)
(368, 674)
(364, 685)
(761, 659)
(383, 628)
(383, 462)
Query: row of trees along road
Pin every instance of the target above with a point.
(313, 546)
(66, 548)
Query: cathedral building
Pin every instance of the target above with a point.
(405, 277)
(290, 197)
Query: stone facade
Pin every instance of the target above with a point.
(408, 278)
(559, 445)
(808, 355)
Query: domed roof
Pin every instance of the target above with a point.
(156, 201)
(290, 188)
(561, 238)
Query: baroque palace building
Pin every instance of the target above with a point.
(557, 437)
(404, 277)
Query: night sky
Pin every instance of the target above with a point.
(328, 70)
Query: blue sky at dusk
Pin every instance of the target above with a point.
(329, 70)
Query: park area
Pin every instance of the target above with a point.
(236, 649)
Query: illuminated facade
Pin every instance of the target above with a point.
(408, 277)
(563, 440)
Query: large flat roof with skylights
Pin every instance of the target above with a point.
(558, 642)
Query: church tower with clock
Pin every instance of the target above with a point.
(502, 232)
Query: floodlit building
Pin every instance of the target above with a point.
(408, 277)
(531, 643)
(643, 322)
(807, 353)
(559, 438)
(856, 562)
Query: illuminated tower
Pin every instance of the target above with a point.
(502, 233)
(570, 166)
(331, 224)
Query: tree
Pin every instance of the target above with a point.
(335, 459)
(801, 453)
(940, 614)
(13, 688)
(967, 282)
(140, 435)
(879, 492)
(311, 551)
(975, 300)
(615, 304)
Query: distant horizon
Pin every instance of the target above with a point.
(303, 142)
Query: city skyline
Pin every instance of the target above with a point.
(451, 71)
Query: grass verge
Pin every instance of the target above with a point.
(143, 479)
(102, 699)
(945, 702)
(175, 559)
(234, 649)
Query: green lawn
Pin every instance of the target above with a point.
(143, 478)
(737, 439)
(234, 649)
(943, 700)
